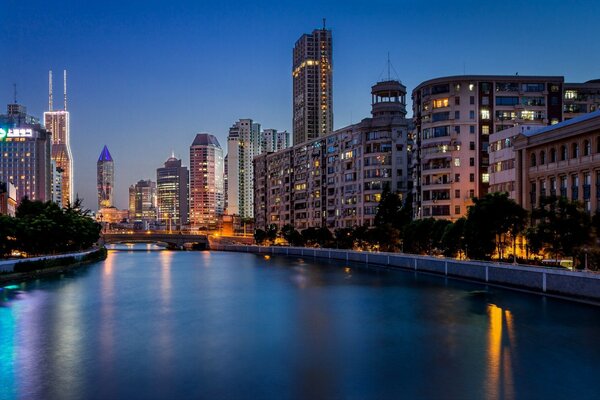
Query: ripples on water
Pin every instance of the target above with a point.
(149, 324)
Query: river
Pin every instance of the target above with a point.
(218, 325)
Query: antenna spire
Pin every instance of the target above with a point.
(50, 90)
(388, 65)
(65, 87)
(324, 20)
(15, 92)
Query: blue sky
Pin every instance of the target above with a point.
(146, 76)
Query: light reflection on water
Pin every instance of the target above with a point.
(146, 324)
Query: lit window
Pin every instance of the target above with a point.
(485, 113)
(485, 130)
(440, 103)
(570, 94)
(471, 87)
(457, 162)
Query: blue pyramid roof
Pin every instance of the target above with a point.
(105, 155)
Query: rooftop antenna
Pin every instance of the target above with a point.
(15, 92)
(50, 90)
(172, 153)
(388, 65)
(65, 87)
(324, 20)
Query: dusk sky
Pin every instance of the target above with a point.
(146, 76)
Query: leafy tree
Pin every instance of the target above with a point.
(562, 226)
(260, 236)
(344, 238)
(391, 210)
(272, 233)
(490, 221)
(291, 235)
(7, 235)
(453, 238)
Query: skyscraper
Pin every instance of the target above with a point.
(25, 154)
(206, 181)
(105, 168)
(57, 122)
(313, 86)
(272, 140)
(172, 193)
(243, 144)
(142, 202)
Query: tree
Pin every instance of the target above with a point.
(489, 221)
(291, 235)
(561, 227)
(260, 236)
(7, 235)
(453, 238)
(344, 238)
(391, 210)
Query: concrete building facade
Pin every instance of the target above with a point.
(453, 119)
(206, 182)
(560, 160)
(581, 98)
(312, 86)
(336, 180)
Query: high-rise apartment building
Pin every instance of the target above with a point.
(142, 202)
(453, 119)
(172, 193)
(244, 142)
(25, 155)
(105, 174)
(273, 140)
(206, 182)
(336, 181)
(312, 86)
(581, 98)
(57, 122)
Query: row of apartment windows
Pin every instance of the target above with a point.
(563, 190)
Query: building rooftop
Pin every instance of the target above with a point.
(206, 139)
(105, 155)
(573, 121)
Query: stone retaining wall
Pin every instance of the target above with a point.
(572, 284)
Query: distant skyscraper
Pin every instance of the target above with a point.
(243, 144)
(105, 173)
(25, 154)
(272, 140)
(206, 181)
(56, 189)
(172, 193)
(313, 86)
(57, 122)
(142, 201)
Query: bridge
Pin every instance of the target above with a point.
(173, 240)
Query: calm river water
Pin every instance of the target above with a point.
(216, 325)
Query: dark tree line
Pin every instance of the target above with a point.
(491, 228)
(45, 228)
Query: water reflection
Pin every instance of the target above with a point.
(107, 316)
(501, 339)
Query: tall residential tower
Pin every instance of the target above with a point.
(57, 122)
(313, 86)
(206, 181)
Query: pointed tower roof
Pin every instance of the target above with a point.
(105, 155)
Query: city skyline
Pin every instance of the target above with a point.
(114, 95)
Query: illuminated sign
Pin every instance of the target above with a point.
(3, 133)
(19, 132)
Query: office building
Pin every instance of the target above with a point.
(336, 181)
(312, 86)
(206, 182)
(105, 174)
(142, 203)
(25, 157)
(453, 120)
(172, 194)
(58, 124)
(56, 187)
(560, 160)
(243, 144)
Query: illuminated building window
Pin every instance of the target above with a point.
(485, 113)
(440, 103)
